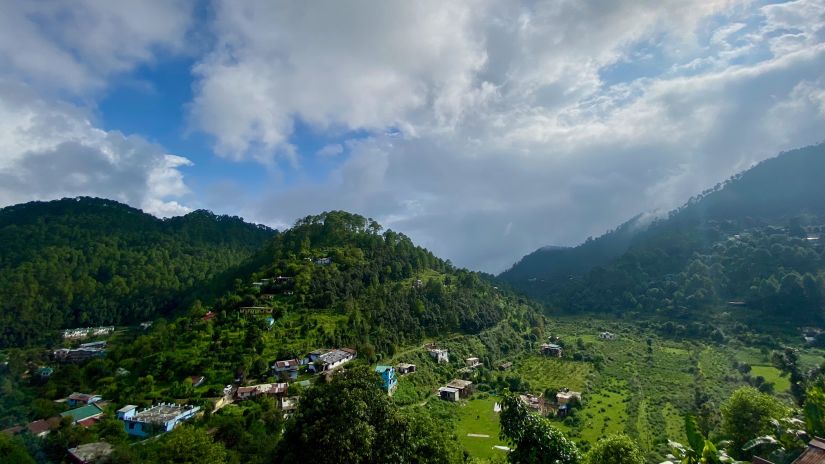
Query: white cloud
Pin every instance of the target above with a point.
(333, 149)
(511, 136)
(51, 150)
(75, 46)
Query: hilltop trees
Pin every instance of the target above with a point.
(352, 420)
(86, 261)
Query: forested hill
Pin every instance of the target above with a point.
(88, 261)
(754, 238)
(369, 288)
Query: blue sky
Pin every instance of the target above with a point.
(482, 129)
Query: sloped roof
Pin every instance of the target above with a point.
(85, 412)
(815, 454)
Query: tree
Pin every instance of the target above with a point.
(13, 450)
(747, 414)
(354, 417)
(699, 449)
(187, 444)
(615, 449)
(531, 437)
(814, 410)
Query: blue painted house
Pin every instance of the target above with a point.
(160, 418)
(389, 381)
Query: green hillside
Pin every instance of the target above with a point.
(753, 239)
(87, 261)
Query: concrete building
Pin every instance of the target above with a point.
(405, 368)
(160, 418)
(389, 382)
(331, 359)
(440, 355)
(90, 452)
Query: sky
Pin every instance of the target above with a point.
(482, 129)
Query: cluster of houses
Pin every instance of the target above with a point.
(87, 410)
(77, 334)
(558, 406)
(83, 353)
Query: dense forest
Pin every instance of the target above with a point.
(390, 291)
(755, 239)
(87, 261)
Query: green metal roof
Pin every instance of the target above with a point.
(82, 413)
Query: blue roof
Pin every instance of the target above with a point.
(381, 369)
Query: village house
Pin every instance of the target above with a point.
(607, 336)
(12, 431)
(90, 452)
(85, 416)
(287, 368)
(814, 454)
(82, 399)
(44, 372)
(551, 349)
(536, 403)
(145, 325)
(565, 399)
(209, 316)
(288, 403)
(405, 368)
(77, 355)
(264, 389)
(322, 360)
(323, 261)
(472, 362)
(389, 382)
(41, 428)
(440, 355)
(160, 418)
(505, 366)
(448, 393)
(74, 334)
(456, 390)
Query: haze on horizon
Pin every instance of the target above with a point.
(481, 129)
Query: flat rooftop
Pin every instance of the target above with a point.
(160, 414)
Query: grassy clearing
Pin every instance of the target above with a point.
(476, 416)
(772, 375)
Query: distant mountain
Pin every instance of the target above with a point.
(553, 262)
(754, 238)
(88, 261)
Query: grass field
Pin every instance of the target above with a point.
(772, 375)
(477, 417)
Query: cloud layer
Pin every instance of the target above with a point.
(494, 128)
(55, 58)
